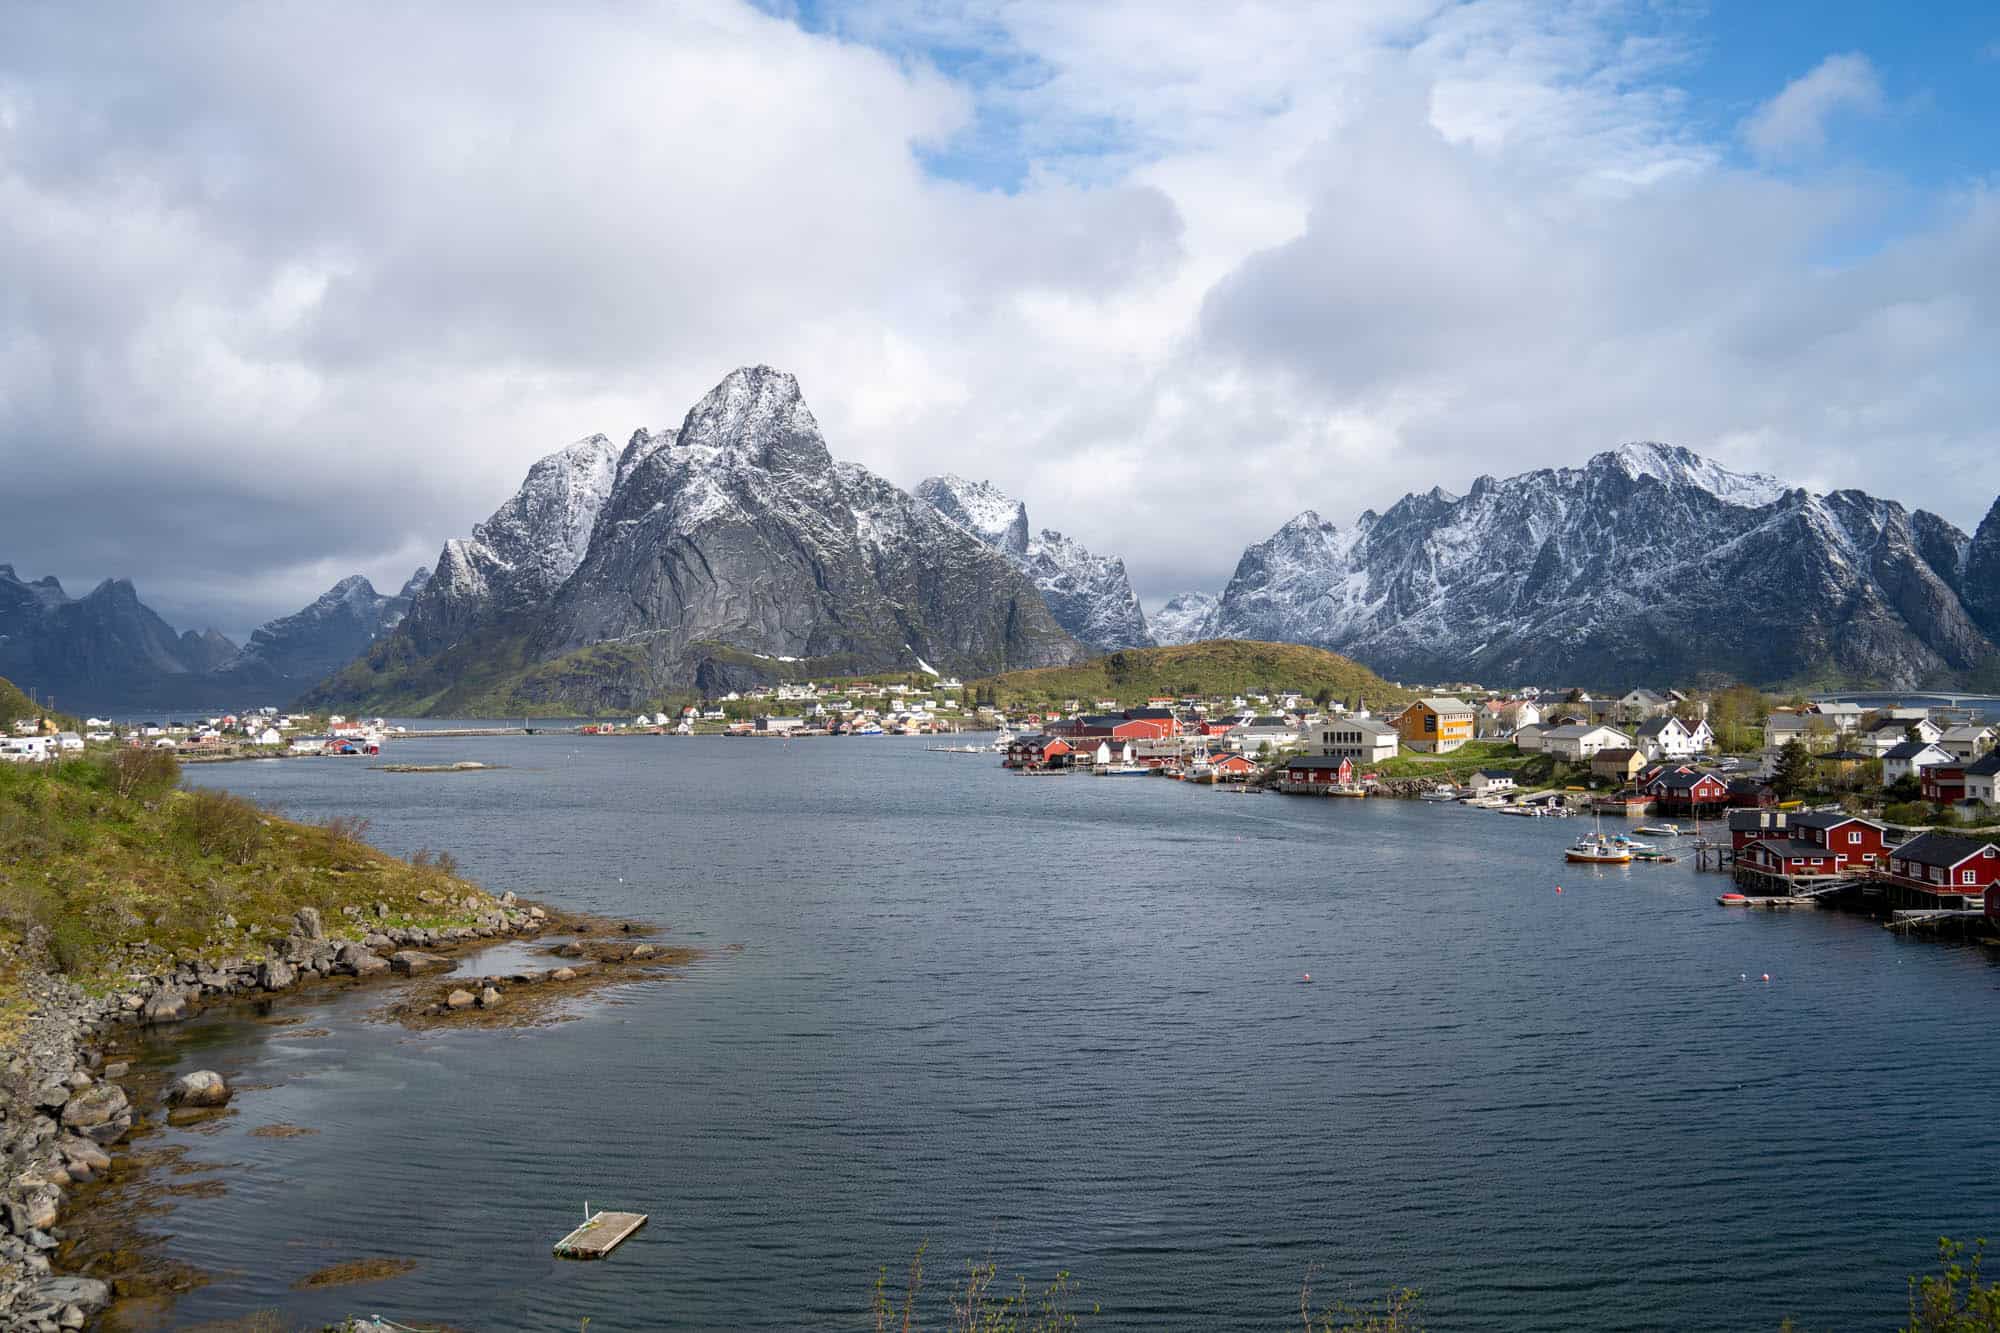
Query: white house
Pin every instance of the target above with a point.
(1529, 737)
(1273, 730)
(1582, 740)
(68, 740)
(268, 736)
(1982, 776)
(1361, 739)
(1666, 738)
(1644, 703)
(1488, 781)
(1844, 718)
(1910, 759)
(1967, 742)
(27, 749)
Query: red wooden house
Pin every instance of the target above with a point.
(1943, 783)
(1840, 839)
(1038, 752)
(1947, 869)
(1318, 772)
(1232, 767)
(1787, 856)
(1684, 790)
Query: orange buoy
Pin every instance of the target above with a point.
(1767, 976)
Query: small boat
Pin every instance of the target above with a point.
(1733, 900)
(1659, 830)
(1441, 795)
(1597, 850)
(1652, 854)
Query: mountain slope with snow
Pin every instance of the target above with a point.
(1089, 595)
(1648, 563)
(691, 558)
(1183, 619)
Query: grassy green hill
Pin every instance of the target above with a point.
(1215, 667)
(106, 855)
(14, 704)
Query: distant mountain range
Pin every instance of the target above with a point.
(1649, 563)
(109, 651)
(735, 550)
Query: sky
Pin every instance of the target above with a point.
(293, 291)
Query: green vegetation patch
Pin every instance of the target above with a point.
(120, 869)
(1224, 667)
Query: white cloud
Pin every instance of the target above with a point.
(287, 291)
(1795, 120)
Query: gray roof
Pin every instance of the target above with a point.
(1910, 750)
(1446, 705)
(1941, 849)
(1579, 729)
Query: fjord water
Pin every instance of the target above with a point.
(1063, 1021)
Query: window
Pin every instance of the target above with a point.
(1968, 878)
(1854, 837)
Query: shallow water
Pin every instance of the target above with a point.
(1063, 1021)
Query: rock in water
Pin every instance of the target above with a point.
(101, 1113)
(165, 1005)
(409, 962)
(459, 999)
(204, 1087)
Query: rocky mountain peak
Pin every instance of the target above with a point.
(1674, 465)
(758, 413)
(1089, 595)
(981, 508)
(417, 582)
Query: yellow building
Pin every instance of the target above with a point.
(1436, 726)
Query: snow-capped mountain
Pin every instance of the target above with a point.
(1183, 618)
(1089, 595)
(704, 557)
(1648, 563)
(517, 559)
(286, 655)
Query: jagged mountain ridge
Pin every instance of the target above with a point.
(1647, 563)
(1089, 595)
(108, 651)
(1182, 618)
(733, 542)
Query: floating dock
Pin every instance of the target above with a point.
(602, 1234)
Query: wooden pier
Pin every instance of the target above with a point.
(602, 1234)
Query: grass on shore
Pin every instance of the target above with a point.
(118, 869)
(1223, 667)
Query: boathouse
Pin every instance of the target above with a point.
(1787, 856)
(1316, 774)
(1039, 752)
(1848, 840)
(1687, 791)
(1943, 870)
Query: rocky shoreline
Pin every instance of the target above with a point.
(63, 1109)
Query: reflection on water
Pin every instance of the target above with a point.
(1063, 1021)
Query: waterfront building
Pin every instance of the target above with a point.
(1435, 725)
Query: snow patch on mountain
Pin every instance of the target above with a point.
(1089, 595)
(1183, 619)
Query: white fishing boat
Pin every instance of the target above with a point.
(1659, 830)
(1596, 849)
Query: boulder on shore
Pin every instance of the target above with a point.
(204, 1087)
(459, 999)
(488, 998)
(101, 1113)
(165, 1005)
(275, 974)
(409, 962)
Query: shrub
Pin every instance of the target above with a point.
(142, 773)
(1956, 1299)
(223, 825)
